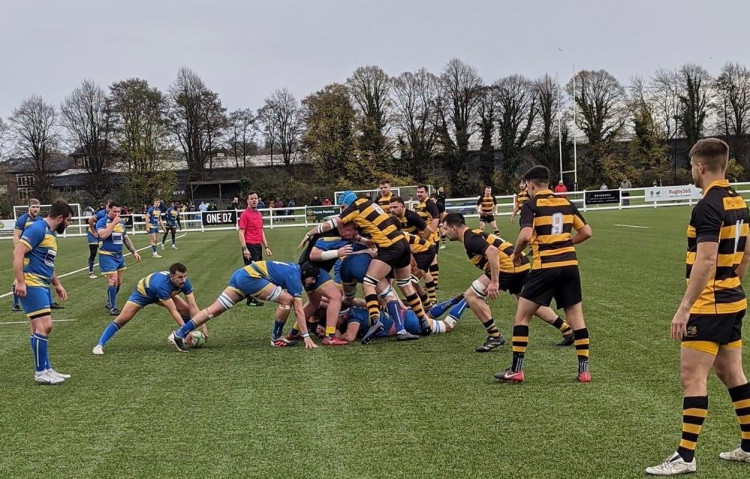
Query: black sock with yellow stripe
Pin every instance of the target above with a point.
(372, 308)
(582, 348)
(741, 401)
(562, 326)
(519, 342)
(416, 305)
(491, 328)
(435, 272)
(694, 412)
(430, 287)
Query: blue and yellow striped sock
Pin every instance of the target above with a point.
(39, 350)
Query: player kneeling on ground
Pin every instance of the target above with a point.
(162, 288)
(266, 280)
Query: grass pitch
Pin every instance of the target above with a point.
(429, 408)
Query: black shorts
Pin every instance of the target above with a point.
(487, 218)
(563, 284)
(511, 282)
(397, 255)
(256, 253)
(424, 260)
(170, 228)
(715, 328)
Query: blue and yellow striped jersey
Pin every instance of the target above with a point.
(26, 220)
(172, 216)
(39, 262)
(158, 287)
(152, 216)
(286, 275)
(112, 244)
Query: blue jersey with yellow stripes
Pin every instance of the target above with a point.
(172, 216)
(26, 220)
(286, 275)
(112, 244)
(153, 216)
(39, 262)
(158, 287)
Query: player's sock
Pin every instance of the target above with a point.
(39, 350)
(109, 331)
(440, 308)
(430, 287)
(741, 401)
(372, 308)
(582, 349)
(416, 305)
(185, 329)
(164, 238)
(278, 330)
(694, 412)
(394, 311)
(174, 241)
(91, 267)
(438, 327)
(458, 310)
(435, 272)
(492, 330)
(423, 297)
(112, 296)
(519, 343)
(295, 329)
(153, 248)
(564, 327)
(496, 232)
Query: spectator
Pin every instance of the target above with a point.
(235, 203)
(327, 202)
(315, 201)
(625, 184)
(603, 187)
(261, 204)
(291, 204)
(88, 211)
(368, 195)
(203, 206)
(561, 189)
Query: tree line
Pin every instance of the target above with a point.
(451, 128)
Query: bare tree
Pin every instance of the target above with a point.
(601, 102)
(663, 97)
(370, 87)
(34, 129)
(733, 88)
(695, 96)
(241, 137)
(87, 116)
(195, 119)
(4, 138)
(517, 102)
(548, 98)
(487, 114)
(414, 97)
(460, 86)
(281, 121)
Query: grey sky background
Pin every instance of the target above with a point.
(246, 49)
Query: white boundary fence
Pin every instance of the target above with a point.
(307, 216)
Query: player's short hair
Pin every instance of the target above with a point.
(423, 187)
(177, 268)
(250, 193)
(114, 204)
(712, 153)
(385, 182)
(539, 175)
(34, 202)
(454, 219)
(60, 208)
(397, 199)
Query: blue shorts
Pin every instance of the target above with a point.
(354, 268)
(111, 263)
(140, 300)
(91, 238)
(37, 301)
(152, 230)
(323, 278)
(411, 322)
(244, 284)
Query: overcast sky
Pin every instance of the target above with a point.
(245, 49)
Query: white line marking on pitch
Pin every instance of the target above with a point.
(54, 321)
(95, 264)
(634, 226)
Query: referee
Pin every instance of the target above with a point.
(252, 237)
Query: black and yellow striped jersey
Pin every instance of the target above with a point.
(487, 205)
(552, 219)
(720, 217)
(521, 198)
(385, 201)
(428, 210)
(417, 244)
(411, 222)
(379, 226)
(476, 243)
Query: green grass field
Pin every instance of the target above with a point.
(429, 408)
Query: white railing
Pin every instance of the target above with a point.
(308, 216)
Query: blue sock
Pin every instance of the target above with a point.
(440, 308)
(185, 329)
(112, 296)
(395, 313)
(458, 309)
(153, 248)
(278, 329)
(39, 350)
(91, 267)
(109, 331)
